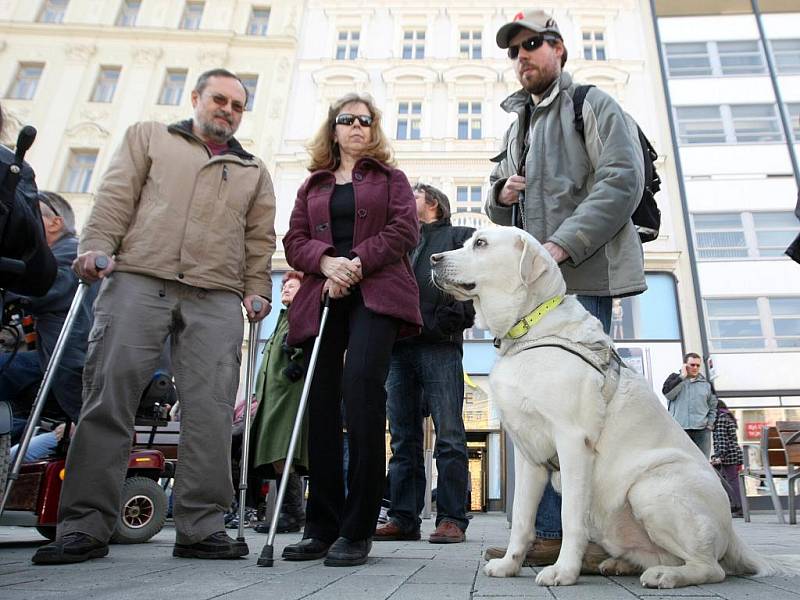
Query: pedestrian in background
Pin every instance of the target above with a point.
(727, 457)
(692, 402)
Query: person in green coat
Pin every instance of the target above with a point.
(278, 389)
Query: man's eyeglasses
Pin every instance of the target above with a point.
(348, 119)
(530, 45)
(222, 100)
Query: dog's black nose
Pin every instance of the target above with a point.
(435, 258)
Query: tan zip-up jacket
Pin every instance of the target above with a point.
(169, 209)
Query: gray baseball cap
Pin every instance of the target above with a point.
(537, 21)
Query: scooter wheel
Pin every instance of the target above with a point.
(143, 511)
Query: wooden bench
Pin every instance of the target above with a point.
(780, 459)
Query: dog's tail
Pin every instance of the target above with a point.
(741, 559)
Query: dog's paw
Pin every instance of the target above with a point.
(660, 577)
(501, 567)
(555, 575)
(618, 566)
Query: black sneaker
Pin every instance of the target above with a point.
(348, 553)
(306, 549)
(74, 547)
(216, 546)
(286, 524)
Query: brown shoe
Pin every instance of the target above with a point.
(391, 532)
(545, 552)
(447, 533)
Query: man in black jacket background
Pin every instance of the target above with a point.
(426, 376)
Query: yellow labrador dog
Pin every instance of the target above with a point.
(631, 479)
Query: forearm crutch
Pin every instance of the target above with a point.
(100, 263)
(252, 347)
(266, 558)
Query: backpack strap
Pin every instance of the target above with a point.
(577, 102)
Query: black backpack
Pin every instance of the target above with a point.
(647, 217)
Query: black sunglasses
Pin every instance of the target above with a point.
(348, 119)
(530, 45)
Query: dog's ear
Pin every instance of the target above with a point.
(531, 265)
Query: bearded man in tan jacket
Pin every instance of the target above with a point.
(185, 217)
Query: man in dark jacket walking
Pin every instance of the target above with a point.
(426, 375)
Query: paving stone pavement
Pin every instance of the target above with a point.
(396, 570)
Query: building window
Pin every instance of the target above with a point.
(409, 118)
(700, 125)
(755, 123)
(787, 56)
(53, 11)
(128, 11)
(774, 231)
(413, 44)
(469, 198)
(78, 174)
(594, 44)
(688, 60)
(785, 314)
(743, 235)
(106, 84)
(250, 83)
(192, 15)
(741, 58)
(734, 324)
(259, 21)
(470, 44)
(26, 81)
(719, 235)
(347, 44)
(172, 90)
(794, 117)
(469, 120)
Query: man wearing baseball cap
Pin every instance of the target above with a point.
(575, 192)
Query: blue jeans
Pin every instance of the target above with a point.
(548, 517)
(22, 373)
(426, 378)
(41, 446)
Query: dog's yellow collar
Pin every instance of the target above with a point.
(522, 326)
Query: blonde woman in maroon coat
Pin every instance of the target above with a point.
(353, 224)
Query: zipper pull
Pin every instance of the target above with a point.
(224, 172)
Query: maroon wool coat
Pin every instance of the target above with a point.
(386, 230)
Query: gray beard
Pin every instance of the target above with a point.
(217, 133)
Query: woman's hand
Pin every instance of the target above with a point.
(334, 290)
(340, 270)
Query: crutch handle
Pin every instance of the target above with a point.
(100, 262)
(257, 306)
(326, 300)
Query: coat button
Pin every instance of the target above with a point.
(362, 212)
(358, 176)
(180, 275)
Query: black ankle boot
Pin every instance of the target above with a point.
(348, 553)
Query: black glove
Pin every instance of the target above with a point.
(671, 381)
(293, 372)
(454, 318)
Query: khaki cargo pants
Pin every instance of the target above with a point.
(134, 314)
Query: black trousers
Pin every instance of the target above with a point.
(356, 381)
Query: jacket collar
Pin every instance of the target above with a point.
(428, 227)
(366, 163)
(516, 102)
(185, 129)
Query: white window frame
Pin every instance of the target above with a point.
(766, 315)
(409, 115)
(793, 108)
(191, 17)
(258, 24)
(468, 197)
(726, 51)
(699, 54)
(128, 13)
(467, 114)
(470, 44)
(78, 171)
(23, 86)
(171, 94)
(780, 316)
(787, 56)
(250, 82)
(347, 45)
(105, 86)
(714, 59)
(53, 11)
(594, 44)
(413, 44)
(743, 237)
(726, 131)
